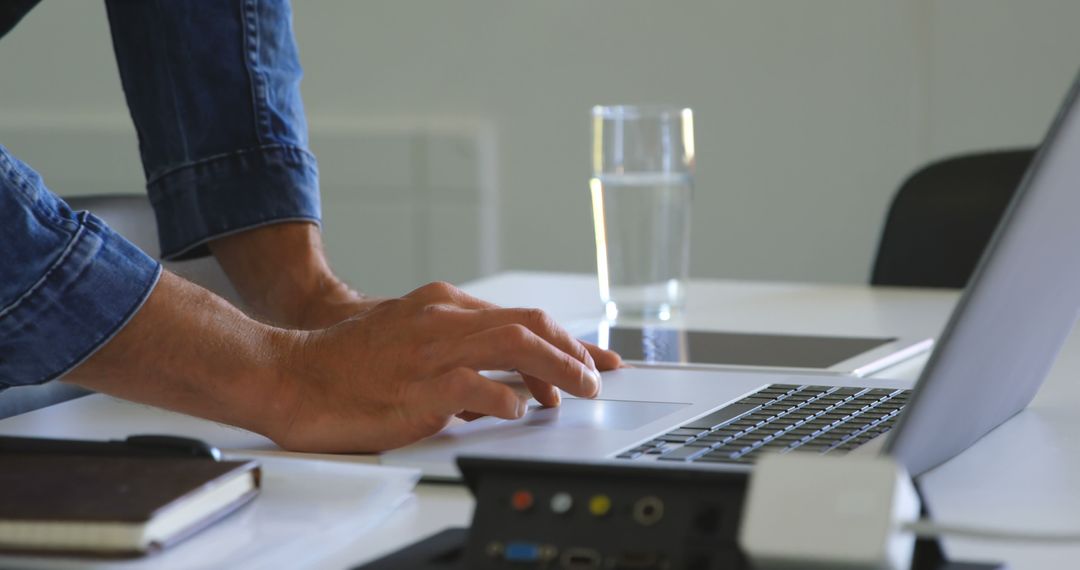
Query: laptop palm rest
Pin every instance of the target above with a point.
(598, 414)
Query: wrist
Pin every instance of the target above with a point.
(276, 408)
(282, 274)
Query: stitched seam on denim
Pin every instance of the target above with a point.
(15, 174)
(250, 18)
(269, 222)
(226, 155)
(28, 192)
(52, 268)
(116, 330)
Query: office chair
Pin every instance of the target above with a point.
(943, 216)
(132, 217)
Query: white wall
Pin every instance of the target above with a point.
(808, 115)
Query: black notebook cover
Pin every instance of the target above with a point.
(95, 490)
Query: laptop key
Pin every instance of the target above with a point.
(847, 391)
(769, 393)
(688, 431)
(715, 459)
(881, 392)
(721, 416)
(684, 454)
(672, 438)
(742, 425)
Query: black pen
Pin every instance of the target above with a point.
(133, 446)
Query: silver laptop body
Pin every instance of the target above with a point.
(1000, 343)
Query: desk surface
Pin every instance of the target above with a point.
(1024, 475)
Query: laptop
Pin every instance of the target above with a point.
(995, 352)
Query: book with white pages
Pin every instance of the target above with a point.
(304, 502)
(304, 499)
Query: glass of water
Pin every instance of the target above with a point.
(641, 186)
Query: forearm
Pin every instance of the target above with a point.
(281, 272)
(190, 351)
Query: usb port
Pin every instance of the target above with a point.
(580, 559)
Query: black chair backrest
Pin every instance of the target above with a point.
(943, 216)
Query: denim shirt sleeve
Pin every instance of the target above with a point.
(67, 282)
(214, 91)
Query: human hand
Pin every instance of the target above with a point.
(399, 370)
(329, 304)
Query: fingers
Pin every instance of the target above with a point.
(545, 327)
(472, 317)
(605, 359)
(515, 347)
(544, 393)
(465, 390)
(536, 321)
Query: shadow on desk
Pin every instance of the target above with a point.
(22, 399)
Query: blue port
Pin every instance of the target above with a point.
(521, 552)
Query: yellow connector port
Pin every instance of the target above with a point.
(599, 505)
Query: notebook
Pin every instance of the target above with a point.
(114, 506)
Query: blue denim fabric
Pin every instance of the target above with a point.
(67, 282)
(213, 88)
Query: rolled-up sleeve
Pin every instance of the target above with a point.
(214, 91)
(68, 283)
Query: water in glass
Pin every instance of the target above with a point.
(642, 230)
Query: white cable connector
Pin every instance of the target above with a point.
(813, 511)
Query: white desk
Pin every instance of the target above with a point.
(1024, 475)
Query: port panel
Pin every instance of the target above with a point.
(592, 517)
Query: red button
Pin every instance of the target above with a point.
(521, 500)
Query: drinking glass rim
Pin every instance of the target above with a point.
(637, 111)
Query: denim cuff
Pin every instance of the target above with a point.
(87, 295)
(229, 193)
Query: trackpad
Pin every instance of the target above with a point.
(599, 414)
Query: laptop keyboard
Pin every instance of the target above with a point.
(780, 418)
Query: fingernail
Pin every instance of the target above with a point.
(595, 377)
(521, 408)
